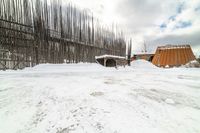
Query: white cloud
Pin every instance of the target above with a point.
(102, 9)
(142, 19)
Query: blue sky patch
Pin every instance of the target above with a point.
(172, 17)
(163, 25)
(183, 24)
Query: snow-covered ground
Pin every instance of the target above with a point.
(88, 98)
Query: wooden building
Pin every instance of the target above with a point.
(144, 56)
(173, 55)
(111, 60)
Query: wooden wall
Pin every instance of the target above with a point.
(170, 56)
(38, 31)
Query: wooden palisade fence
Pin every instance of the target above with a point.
(49, 31)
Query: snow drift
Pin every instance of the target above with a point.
(192, 64)
(142, 64)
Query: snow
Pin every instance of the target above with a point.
(192, 64)
(141, 64)
(80, 98)
(109, 56)
(169, 101)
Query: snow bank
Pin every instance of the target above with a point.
(69, 67)
(142, 64)
(64, 68)
(192, 64)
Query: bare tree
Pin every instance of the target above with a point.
(144, 48)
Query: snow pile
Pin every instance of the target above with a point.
(192, 64)
(57, 68)
(142, 64)
(80, 98)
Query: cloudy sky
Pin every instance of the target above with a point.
(155, 22)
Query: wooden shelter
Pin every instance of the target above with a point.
(111, 60)
(173, 55)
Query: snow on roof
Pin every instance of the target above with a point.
(109, 56)
(173, 46)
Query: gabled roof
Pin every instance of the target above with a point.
(109, 56)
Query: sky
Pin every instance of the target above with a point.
(153, 22)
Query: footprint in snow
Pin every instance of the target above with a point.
(95, 94)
